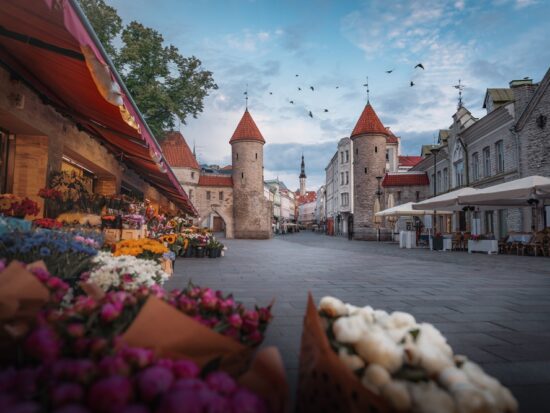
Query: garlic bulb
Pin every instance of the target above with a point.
(333, 307)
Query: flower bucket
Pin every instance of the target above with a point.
(200, 252)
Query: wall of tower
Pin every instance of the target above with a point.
(302, 186)
(369, 161)
(251, 211)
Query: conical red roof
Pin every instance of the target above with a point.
(247, 130)
(369, 123)
(177, 151)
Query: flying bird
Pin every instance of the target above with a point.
(270, 93)
(297, 75)
(412, 83)
(292, 102)
(337, 87)
(312, 88)
(299, 88)
(310, 114)
(420, 66)
(326, 110)
(389, 71)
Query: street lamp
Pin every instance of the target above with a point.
(377, 219)
(434, 152)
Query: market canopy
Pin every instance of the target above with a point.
(520, 192)
(448, 201)
(51, 46)
(406, 210)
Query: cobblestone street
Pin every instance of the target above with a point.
(494, 309)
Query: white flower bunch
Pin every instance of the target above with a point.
(410, 364)
(125, 272)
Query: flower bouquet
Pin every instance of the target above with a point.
(141, 248)
(64, 254)
(47, 223)
(125, 272)
(133, 221)
(15, 206)
(387, 363)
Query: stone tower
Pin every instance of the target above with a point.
(303, 177)
(251, 211)
(369, 161)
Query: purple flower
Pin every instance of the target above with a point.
(245, 401)
(110, 394)
(110, 311)
(235, 320)
(114, 366)
(221, 382)
(43, 344)
(154, 381)
(185, 369)
(66, 393)
(140, 357)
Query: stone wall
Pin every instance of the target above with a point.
(251, 211)
(369, 161)
(222, 207)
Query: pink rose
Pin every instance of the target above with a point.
(76, 330)
(139, 357)
(185, 369)
(187, 305)
(255, 337)
(85, 304)
(43, 344)
(66, 393)
(221, 382)
(114, 366)
(81, 370)
(127, 278)
(235, 320)
(250, 320)
(110, 394)
(265, 315)
(153, 382)
(209, 301)
(226, 306)
(167, 363)
(110, 311)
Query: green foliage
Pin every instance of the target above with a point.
(165, 85)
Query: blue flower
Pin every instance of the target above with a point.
(45, 252)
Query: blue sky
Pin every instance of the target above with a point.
(338, 43)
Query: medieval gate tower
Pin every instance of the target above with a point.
(251, 211)
(369, 162)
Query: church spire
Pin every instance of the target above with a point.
(303, 168)
(303, 177)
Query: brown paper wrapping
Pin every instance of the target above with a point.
(325, 383)
(171, 333)
(21, 297)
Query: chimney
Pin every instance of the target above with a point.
(523, 92)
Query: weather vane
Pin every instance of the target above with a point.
(460, 88)
(246, 96)
(367, 86)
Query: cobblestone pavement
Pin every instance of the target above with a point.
(495, 309)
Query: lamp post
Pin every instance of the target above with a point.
(434, 152)
(376, 219)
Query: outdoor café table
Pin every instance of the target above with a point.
(521, 238)
(407, 239)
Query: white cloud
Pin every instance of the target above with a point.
(247, 41)
(459, 4)
(525, 3)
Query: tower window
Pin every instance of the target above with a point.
(192, 175)
(376, 149)
(208, 195)
(220, 196)
(256, 156)
(357, 151)
(242, 175)
(237, 156)
(366, 169)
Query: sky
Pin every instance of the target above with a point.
(333, 46)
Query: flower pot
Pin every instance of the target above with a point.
(211, 253)
(199, 252)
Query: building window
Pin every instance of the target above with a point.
(459, 173)
(357, 151)
(387, 155)
(489, 227)
(192, 175)
(417, 196)
(208, 195)
(499, 148)
(242, 175)
(341, 157)
(486, 162)
(347, 155)
(237, 155)
(475, 166)
(445, 179)
(376, 149)
(345, 199)
(366, 169)
(398, 196)
(347, 178)
(256, 156)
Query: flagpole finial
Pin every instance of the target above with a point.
(246, 97)
(368, 91)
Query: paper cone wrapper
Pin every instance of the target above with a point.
(325, 383)
(171, 333)
(267, 378)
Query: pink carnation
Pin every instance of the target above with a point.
(185, 369)
(154, 382)
(43, 344)
(221, 382)
(110, 394)
(235, 320)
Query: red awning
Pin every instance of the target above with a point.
(46, 44)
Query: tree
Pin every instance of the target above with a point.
(165, 85)
(105, 21)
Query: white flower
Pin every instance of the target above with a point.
(397, 394)
(126, 272)
(376, 377)
(428, 397)
(333, 307)
(349, 329)
(353, 361)
(377, 347)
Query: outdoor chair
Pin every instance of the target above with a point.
(456, 243)
(503, 245)
(537, 243)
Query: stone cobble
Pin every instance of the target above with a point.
(494, 309)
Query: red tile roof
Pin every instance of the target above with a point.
(227, 167)
(247, 130)
(177, 151)
(215, 180)
(310, 196)
(391, 137)
(405, 179)
(369, 123)
(409, 160)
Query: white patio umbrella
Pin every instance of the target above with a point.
(521, 192)
(406, 210)
(445, 202)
